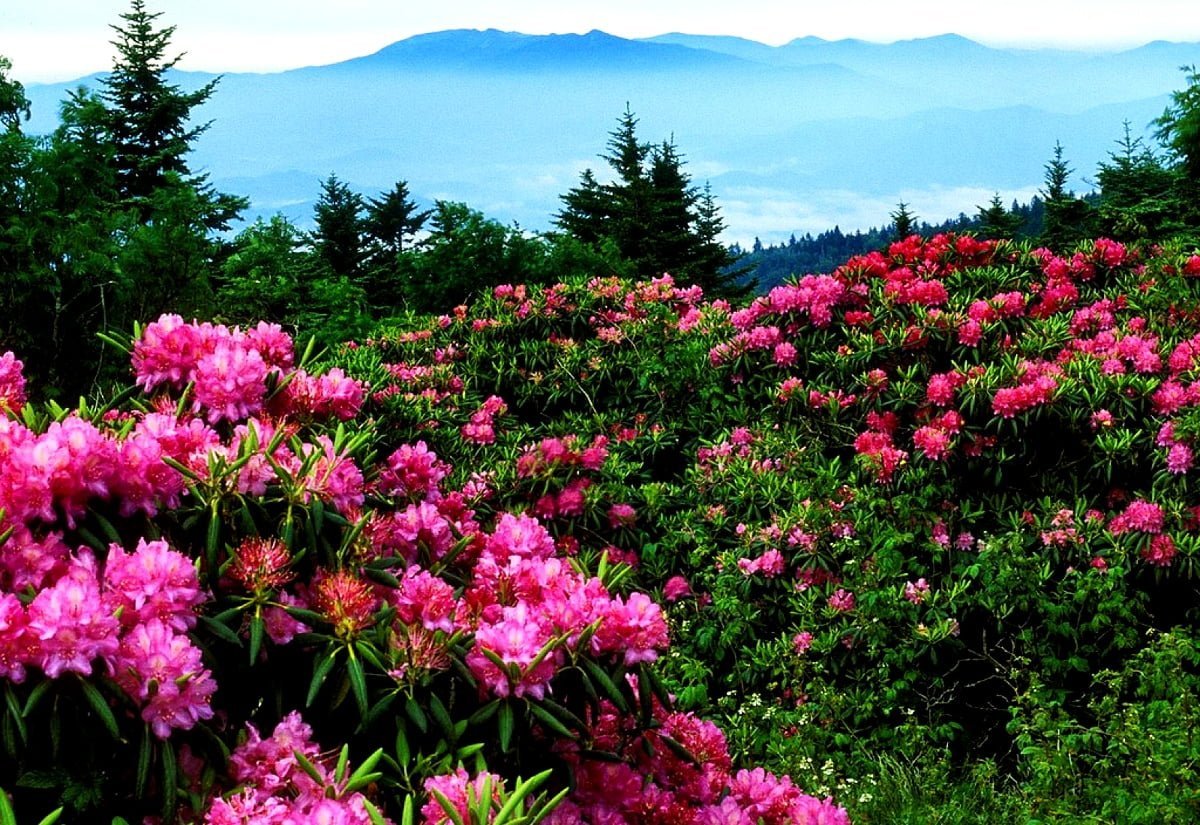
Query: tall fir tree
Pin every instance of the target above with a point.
(393, 220)
(904, 222)
(1066, 219)
(1139, 195)
(339, 236)
(995, 221)
(650, 213)
(150, 119)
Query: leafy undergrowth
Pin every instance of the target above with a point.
(920, 534)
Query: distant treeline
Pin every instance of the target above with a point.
(769, 265)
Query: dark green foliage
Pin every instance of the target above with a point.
(338, 238)
(651, 213)
(464, 253)
(1139, 193)
(1179, 125)
(903, 221)
(997, 222)
(1068, 219)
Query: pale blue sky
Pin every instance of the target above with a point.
(51, 40)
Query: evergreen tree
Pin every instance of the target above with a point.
(587, 210)
(1066, 218)
(150, 119)
(997, 222)
(1139, 197)
(393, 220)
(1179, 126)
(650, 212)
(391, 223)
(903, 222)
(339, 237)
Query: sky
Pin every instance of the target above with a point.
(55, 40)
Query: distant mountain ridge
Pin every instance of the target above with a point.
(793, 138)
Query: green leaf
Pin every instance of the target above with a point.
(365, 773)
(7, 816)
(443, 718)
(358, 682)
(417, 715)
(449, 807)
(373, 813)
(143, 769)
(257, 629)
(320, 671)
(523, 791)
(308, 767)
(50, 818)
(551, 721)
(170, 780)
(505, 723)
(601, 678)
(100, 706)
(220, 629)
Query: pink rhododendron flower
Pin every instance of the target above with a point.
(413, 471)
(162, 669)
(842, 600)
(676, 588)
(424, 599)
(71, 623)
(230, 383)
(454, 787)
(916, 591)
(12, 385)
(1139, 516)
(152, 582)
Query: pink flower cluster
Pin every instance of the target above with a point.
(656, 784)
(935, 439)
(813, 297)
(481, 428)
(227, 367)
(1138, 516)
(1036, 385)
(876, 447)
(132, 613)
(12, 384)
(551, 455)
(523, 599)
(331, 395)
(274, 789)
(770, 564)
(413, 471)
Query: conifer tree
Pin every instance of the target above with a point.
(1139, 196)
(150, 119)
(1066, 218)
(995, 221)
(339, 237)
(650, 212)
(903, 222)
(393, 219)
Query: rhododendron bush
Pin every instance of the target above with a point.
(607, 551)
(240, 598)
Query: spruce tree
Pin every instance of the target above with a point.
(393, 219)
(339, 237)
(903, 222)
(650, 213)
(997, 222)
(150, 118)
(1139, 194)
(1066, 218)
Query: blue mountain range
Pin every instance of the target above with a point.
(792, 138)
